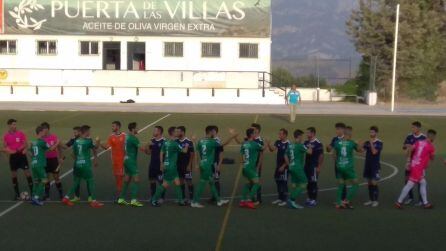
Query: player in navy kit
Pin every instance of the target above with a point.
(340, 129)
(410, 140)
(281, 172)
(154, 149)
(185, 163)
(373, 148)
(313, 164)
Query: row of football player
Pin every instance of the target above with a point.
(172, 160)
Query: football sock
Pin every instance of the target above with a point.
(47, 190)
(258, 192)
(284, 187)
(295, 191)
(423, 191)
(163, 195)
(134, 191)
(60, 189)
(339, 194)
(282, 190)
(125, 187)
(406, 190)
(255, 191)
(190, 188)
(217, 186)
(15, 184)
(199, 191)
(411, 193)
(312, 190)
(245, 191)
(279, 190)
(179, 193)
(91, 187)
(152, 188)
(214, 191)
(352, 192)
(30, 183)
(75, 188)
(41, 190)
(119, 184)
(375, 193)
(159, 191)
(371, 192)
(183, 190)
(344, 192)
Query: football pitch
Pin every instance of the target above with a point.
(170, 227)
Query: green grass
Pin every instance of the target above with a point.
(171, 227)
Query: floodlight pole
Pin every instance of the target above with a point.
(395, 52)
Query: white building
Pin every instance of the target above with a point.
(135, 43)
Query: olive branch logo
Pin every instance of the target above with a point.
(22, 13)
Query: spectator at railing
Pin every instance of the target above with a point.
(292, 99)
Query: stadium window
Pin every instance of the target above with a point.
(173, 49)
(249, 51)
(210, 50)
(89, 48)
(47, 47)
(8, 47)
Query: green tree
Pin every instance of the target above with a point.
(282, 77)
(422, 47)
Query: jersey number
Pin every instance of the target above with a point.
(35, 151)
(203, 150)
(344, 151)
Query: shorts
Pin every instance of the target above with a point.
(155, 173)
(118, 168)
(372, 173)
(215, 173)
(170, 174)
(131, 168)
(250, 173)
(206, 173)
(417, 174)
(83, 171)
(39, 173)
(18, 161)
(298, 176)
(184, 173)
(347, 173)
(406, 173)
(281, 176)
(311, 173)
(51, 165)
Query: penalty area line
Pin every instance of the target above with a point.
(17, 204)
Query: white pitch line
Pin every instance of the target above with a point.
(17, 204)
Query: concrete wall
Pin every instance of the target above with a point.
(151, 95)
(177, 79)
(68, 58)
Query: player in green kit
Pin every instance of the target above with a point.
(38, 149)
(295, 160)
(250, 151)
(169, 159)
(206, 149)
(345, 162)
(132, 146)
(82, 149)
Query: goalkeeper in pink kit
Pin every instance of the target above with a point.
(422, 153)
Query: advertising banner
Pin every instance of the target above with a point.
(208, 18)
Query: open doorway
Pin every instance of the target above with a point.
(111, 56)
(136, 56)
